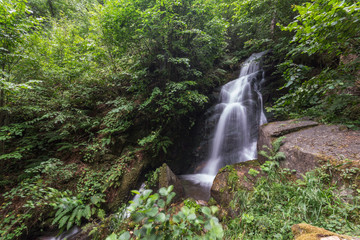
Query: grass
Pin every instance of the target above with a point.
(278, 202)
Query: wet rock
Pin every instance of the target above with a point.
(305, 231)
(235, 177)
(167, 178)
(309, 145)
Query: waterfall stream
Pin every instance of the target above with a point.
(238, 115)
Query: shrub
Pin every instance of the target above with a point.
(154, 219)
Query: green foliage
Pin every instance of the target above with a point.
(71, 210)
(152, 179)
(156, 143)
(15, 28)
(326, 29)
(273, 153)
(326, 96)
(277, 203)
(232, 178)
(36, 199)
(118, 119)
(97, 181)
(253, 25)
(33, 194)
(172, 109)
(176, 41)
(151, 213)
(177, 100)
(191, 203)
(327, 26)
(54, 170)
(58, 9)
(93, 78)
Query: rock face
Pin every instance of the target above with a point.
(308, 144)
(128, 181)
(235, 177)
(305, 231)
(167, 178)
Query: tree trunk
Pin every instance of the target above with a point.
(51, 6)
(2, 117)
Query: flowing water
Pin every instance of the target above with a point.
(238, 115)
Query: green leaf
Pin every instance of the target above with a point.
(161, 203)
(214, 209)
(125, 236)
(137, 217)
(101, 214)
(161, 217)
(113, 236)
(170, 198)
(79, 213)
(191, 217)
(69, 225)
(152, 211)
(87, 212)
(63, 221)
(206, 211)
(163, 191)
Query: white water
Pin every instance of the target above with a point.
(239, 113)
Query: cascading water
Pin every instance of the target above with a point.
(238, 114)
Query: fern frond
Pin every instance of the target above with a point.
(277, 143)
(63, 221)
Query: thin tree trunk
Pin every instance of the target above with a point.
(51, 6)
(2, 117)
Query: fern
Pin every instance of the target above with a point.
(273, 153)
(63, 221)
(72, 210)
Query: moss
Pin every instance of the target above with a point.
(305, 231)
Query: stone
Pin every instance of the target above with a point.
(234, 177)
(167, 178)
(308, 145)
(305, 231)
(128, 181)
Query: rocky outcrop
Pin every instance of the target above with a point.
(167, 178)
(235, 177)
(128, 181)
(308, 144)
(305, 231)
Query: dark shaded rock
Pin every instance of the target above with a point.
(167, 178)
(234, 177)
(305, 231)
(128, 181)
(308, 145)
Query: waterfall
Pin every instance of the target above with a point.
(240, 113)
(238, 116)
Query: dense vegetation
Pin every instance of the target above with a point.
(91, 90)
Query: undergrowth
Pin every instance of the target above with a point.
(277, 203)
(152, 216)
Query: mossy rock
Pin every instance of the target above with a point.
(305, 231)
(129, 180)
(232, 178)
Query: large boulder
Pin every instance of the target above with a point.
(309, 145)
(235, 177)
(305, 231)
(167, 178)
